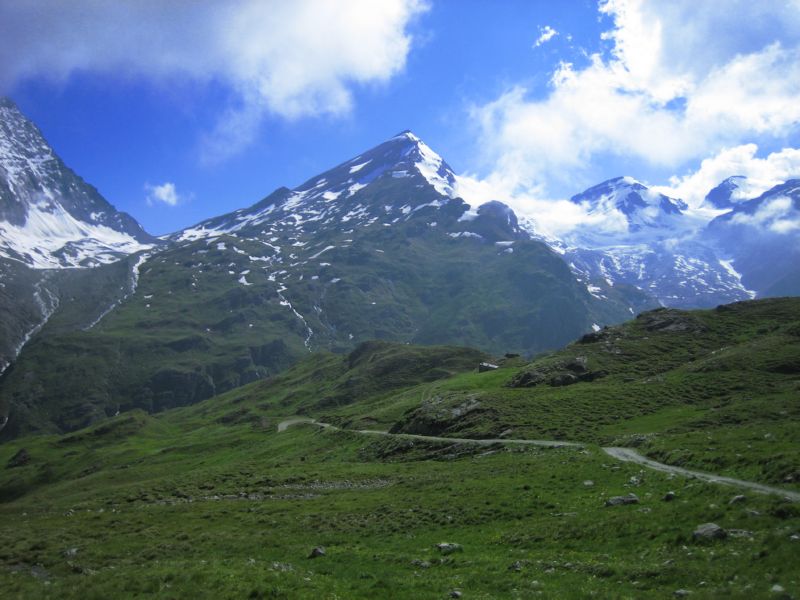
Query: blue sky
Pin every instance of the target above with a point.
(134, 101)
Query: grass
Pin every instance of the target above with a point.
(211, 501)
(376, 508)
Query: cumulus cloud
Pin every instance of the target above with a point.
(546, 34)
(777, 215)
(552, 218)
(165, 193)
(679, 81)
(290, 59)
(761, 173)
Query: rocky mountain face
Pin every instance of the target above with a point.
(649, 241)
(378, 247)
(50, 217)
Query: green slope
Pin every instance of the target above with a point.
(210, 500)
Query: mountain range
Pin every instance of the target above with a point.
(100, 317)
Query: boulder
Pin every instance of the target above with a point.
(709, 531)
(317, 552)
(622, 500)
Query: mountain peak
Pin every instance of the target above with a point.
(402, 155)
(49, 216)
(628, 196)
(417, 176)
(727, 193)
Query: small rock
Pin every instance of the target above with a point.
(449, 548)
(588, 483)
(422, 564)
(740, 533)
(455, 594)
(317, 552)
(669, 497)
(777, 589)
(20, 459)
(70, 552)
(621, 500)
(516, 566)
(709, 531)
(737, 499)
(681, 593)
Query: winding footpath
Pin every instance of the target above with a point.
(622, 454)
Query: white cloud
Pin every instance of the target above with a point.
(166, 193)
(682, 80)
(552, 218)
(546, 34)
(762, 173)
(290, 59)
(777, 215)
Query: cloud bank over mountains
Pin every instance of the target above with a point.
(679, 82)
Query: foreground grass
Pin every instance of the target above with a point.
(233, 511)
(211, 501)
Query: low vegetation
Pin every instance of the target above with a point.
(212, 500)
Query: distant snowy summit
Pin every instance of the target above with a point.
(625, 211)
(50, 217)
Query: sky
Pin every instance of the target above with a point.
(185, 110)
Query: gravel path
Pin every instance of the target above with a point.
(630, 455)
(623, 454)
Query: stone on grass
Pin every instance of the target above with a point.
(738, 499)
(681, 593)
(317, 552)
(516, 566)
(621, 500)
(669, 496)
(449, 548)
(422, 564)
(709, 531)
(20, 459)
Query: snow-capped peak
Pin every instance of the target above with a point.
(337, 193)
(728, 193)
(49, 217)
(640, 206)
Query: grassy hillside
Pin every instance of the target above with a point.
(211, 500)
